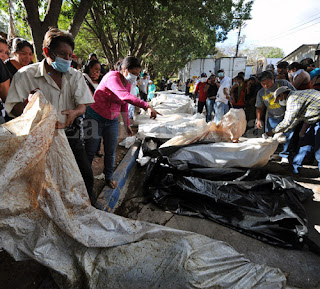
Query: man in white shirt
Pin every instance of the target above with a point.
(221, 106)
(62, 86)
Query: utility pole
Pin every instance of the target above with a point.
(240, 39)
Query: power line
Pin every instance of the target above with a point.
(285, 33)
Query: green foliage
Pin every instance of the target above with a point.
(257, 52)
(272, 52)
(165, 34)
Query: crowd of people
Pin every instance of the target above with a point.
(285, 99)
(83, 99)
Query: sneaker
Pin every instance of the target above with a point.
(284, 161)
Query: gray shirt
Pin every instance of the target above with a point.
(265, 98)
(144, 85)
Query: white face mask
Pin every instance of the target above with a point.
(203, 79)
(131, 77)
(283, 102)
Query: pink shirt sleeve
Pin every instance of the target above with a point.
(116, 86)
(125, 114)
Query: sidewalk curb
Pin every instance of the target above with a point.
(109, 198)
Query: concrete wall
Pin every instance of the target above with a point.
(304, 51)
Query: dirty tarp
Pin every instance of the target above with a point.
(264, 206)
(45, 215)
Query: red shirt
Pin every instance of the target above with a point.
(202, 94)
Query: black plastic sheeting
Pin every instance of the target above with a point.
(264, 206)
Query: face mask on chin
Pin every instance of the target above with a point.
(283, 102)
(61, 64)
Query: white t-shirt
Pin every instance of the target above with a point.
(225, 83)
(133, 88)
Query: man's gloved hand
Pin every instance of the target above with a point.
(280, 137)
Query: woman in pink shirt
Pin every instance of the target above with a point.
(111, 98)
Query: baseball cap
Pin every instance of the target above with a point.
(203, 74)
(280, 90)
(270, 67)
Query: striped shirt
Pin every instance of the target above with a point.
(302, 105)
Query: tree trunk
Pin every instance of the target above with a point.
(39, 28)
(78, 18)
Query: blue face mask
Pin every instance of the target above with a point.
(61, 64)
(220, 74)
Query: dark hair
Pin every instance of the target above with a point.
(129, 62)
(92, 54)
(90, 64)
(283, 64)
(253, 78)
(241, 73)
(265, 75)
(305, 63)
(54, 37)
(3, 40)
(220, 70)
(19, 43)
(240, 77)
(296, 65)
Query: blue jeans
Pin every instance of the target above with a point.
(310, 141)
(220, 109)
(272, 122)
(210, 105)
(108, 130)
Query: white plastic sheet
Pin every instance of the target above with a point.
(45, 214)
(229, 129)
(177, 117)
(251, 153)
(128, 141)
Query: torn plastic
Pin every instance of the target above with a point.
(264, 206)
(45, 214)
(231, 127)
(128, 141)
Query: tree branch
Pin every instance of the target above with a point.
(80, 15)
